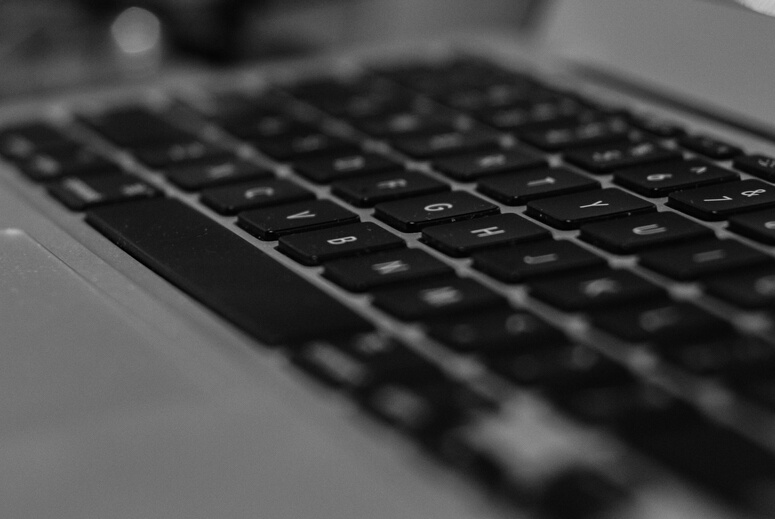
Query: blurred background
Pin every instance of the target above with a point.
(48, 44)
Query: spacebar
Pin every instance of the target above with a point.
(225, 272)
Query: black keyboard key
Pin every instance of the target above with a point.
(229, 108)
(322, 88)
(303, 146)
(719, 459)
(231, 200)
(607, 405)
(710, 147)
(755, 387)
(583, 493)
(728, 465)
(571, 211)
(385, 268)
(495, 331)
(225, 272)
(605, 159)
(229, 105)
(325, 170)
(266, 126)
(65, 162)
(728, 355)
(509, 120)
(170, 155)
(480, 92)
(471, 167)
(408, 123)
(384, 187)
(438, 298)
(414, 214)
(495, 96)
(364, 97)
(719, 202)
(662, 179)
(138, 127)
(758, 226)
(594, 290)
(700, 259)
(657, 127)
(367, 105)
(22, 141)
(758, 165)
(547, 113)
(578, 135)
(440, 78)
(678, 436)
(427, 412)
(557, 367)
(353, 362)
(80, 193)
(752, 288)
(192, 177)
(316, 247)
(602, 108)
(533, 260)
(520, 187)
(447, 143)
(664, 323)
(643, 232)
(272, 222)
(463, 238)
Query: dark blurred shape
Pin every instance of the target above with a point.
(581, 493)
(210, 29)
(47, 45)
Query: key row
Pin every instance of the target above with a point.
(570, 211)
(193, 165)
(462, 239)
(751, 197)
(634, 234)
(513, 250)
(507, 247)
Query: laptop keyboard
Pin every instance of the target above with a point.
(520, 226)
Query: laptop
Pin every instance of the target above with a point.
(522, 275)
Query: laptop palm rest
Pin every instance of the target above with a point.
(99, 422)
(51, 319)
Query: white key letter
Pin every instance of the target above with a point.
(438, 207)
(489, 231)
(342, 241)
(390, 267)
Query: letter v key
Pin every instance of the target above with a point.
(271, 222)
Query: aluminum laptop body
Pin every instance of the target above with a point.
(122, 396)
